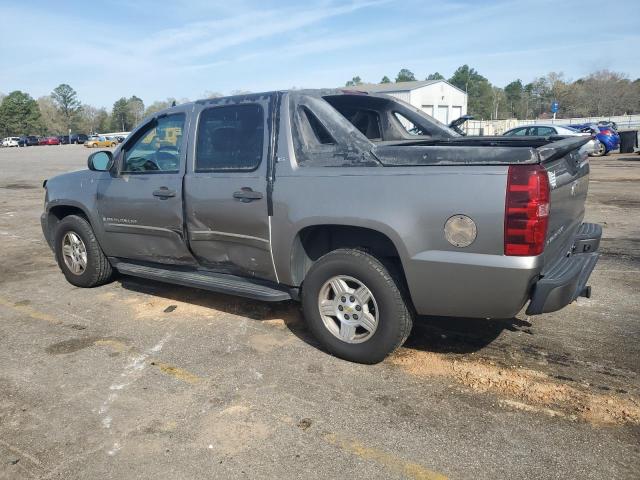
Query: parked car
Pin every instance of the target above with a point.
(64, 139)
(10, 141)
(608, 123)
(283, 197)
(592, 147)
(49, 141)
(78, 138)
(28, 141)
(539, 131)
(99, 141)
(606, 135)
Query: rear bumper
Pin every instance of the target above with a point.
(460, 284)
(567, 279)
(610, 142)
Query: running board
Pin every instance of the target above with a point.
(215, 282)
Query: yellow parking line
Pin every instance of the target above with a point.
(115, 345)
(178, 373)
(29, 311)
(387, 460)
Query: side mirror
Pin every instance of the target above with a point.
(100, 161)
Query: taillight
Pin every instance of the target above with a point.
(606, 132)
(526, 215)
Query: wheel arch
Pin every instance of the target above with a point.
(57, 212)
(313, 241)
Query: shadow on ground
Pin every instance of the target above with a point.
(433, 334)
(459, 335)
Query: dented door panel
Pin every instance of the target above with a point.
(226, 211)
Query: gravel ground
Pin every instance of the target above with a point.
(138, 379)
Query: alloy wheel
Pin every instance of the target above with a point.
(348, 309)
(74, 253)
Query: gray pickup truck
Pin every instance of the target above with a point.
(359, 205)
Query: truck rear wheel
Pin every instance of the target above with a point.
(354, 307)
(79, 255)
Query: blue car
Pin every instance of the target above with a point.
(608, 137)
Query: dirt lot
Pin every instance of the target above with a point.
(143, 380)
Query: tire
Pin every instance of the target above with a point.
(387, 306)
(601, 152)
(97, 269)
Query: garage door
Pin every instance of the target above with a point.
(456, 112)
(428, 109)
(442, 113)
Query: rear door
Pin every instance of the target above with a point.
(140, 205)
(226, 189)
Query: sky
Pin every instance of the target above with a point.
(157, 49)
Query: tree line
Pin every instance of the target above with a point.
(601, 93)
(62, 110)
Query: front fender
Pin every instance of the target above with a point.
(76, 191)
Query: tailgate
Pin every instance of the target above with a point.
(567, 166)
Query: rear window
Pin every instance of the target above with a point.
(366, 121)
(230, 138)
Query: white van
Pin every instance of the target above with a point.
(10, 142)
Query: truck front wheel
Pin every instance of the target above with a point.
(354, 307)
(79, 255)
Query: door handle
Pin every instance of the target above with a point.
(164, 192)
(245, 194)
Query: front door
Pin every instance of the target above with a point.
(140, 205)
(225, 188)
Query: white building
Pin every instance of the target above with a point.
(437, 98)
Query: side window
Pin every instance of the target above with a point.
(157, 149)
(313, 130)
(230, 138)
(517, 132)
(544, 131)
(324, 137)
(410, 127)
(316, 146)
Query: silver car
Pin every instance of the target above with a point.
(542, 130)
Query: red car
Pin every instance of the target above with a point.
(49, 141)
